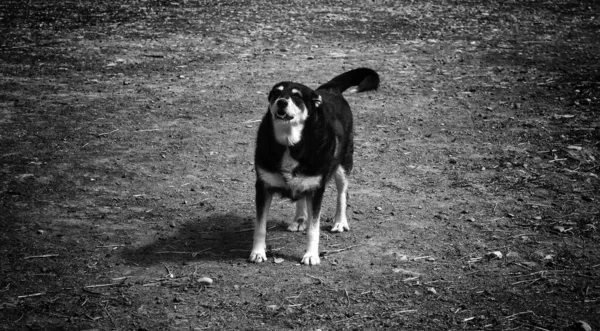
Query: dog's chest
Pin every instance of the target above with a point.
(288, 179)
(288, 164)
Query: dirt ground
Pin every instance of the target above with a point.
(126, 165)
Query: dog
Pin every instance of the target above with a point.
(304, 139)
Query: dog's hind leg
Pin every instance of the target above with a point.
(299, 222)
(263, 203)
(313, 204)
(340, 222)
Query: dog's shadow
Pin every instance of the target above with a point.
(217, 237)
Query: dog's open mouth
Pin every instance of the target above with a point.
(281, 114)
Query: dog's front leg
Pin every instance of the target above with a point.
(263, 203)
(313, 204)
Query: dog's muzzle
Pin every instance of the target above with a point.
(281, 112)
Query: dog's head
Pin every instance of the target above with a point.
(290, 105)
(292, 102)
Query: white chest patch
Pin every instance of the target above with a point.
(285, 179)
(288, 163)
(288, 133)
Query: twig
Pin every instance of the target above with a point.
(517, 314)
(169, 273)
(180, 252)
(339, 250)
(250, 121)
(151, 284)
(539, 205)
(294, 297)
(31, 295)
(347, 298)
(405, 311)
(110, 316)
(92, 318)
(202, 251)
(523, 234)
(147, 130)
(421, 257)
(102, 285)
(555, 160)
(105, 133)
(40, 256)
(110, 246)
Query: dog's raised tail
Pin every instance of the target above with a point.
(364, 79)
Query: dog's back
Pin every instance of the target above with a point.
(337, 111)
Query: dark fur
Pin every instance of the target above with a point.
(315, 151)
(326, 139)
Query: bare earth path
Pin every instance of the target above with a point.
(126, 177)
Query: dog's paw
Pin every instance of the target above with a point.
(297, 225)
(311, 259)
(257, 257)
(340, 226)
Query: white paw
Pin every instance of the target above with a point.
(297, 225)
(311, 259)
(340, 226)
(257, 256)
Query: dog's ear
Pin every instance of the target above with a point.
(317, 100)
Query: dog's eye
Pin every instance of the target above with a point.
(274, 94)
(297, 95)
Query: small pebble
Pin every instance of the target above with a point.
(205, 281)
(494, 255)
(583, 326)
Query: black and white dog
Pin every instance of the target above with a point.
(304, 139)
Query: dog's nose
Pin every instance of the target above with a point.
(282, 103)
